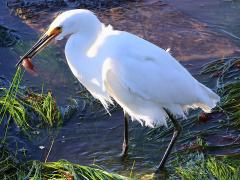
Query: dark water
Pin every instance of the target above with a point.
(196, 32)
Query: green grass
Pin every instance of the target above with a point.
(45, 106)
(8, 164)
(12, 168)
(65, 170)
(24, 107)
(198, 166)
(19, 105)
(227, 74)
(11, 107)
(231, 102)
(184, 163)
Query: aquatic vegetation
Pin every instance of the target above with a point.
(226, 72)
(10, 104)
(230, 102)
(12, 168)
(45, 106)
(20, 105)
(16, 105)
(66, 170)
(8, 164)
(198, 166)
(222, 69)
(227, 75)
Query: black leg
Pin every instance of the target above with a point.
(125, 140)
(177, 130)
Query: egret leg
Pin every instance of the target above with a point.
(177, 131)
(125, 140)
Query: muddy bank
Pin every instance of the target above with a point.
(156, 21)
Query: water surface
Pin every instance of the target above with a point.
(195, 31)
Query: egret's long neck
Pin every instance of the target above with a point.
(77, 47)
(83, 40)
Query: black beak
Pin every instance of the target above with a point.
(37, 47)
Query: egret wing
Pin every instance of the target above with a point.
(151, 73)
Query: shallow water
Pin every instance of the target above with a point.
(194, 36)
(221, 15)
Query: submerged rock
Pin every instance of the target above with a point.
(7, 37)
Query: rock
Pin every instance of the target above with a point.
(8, 37)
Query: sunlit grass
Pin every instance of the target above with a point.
(65, 170)
(11, 107)
(11, 168)
(15, 105)
(198, 166)
(45, 106)
(18, 105)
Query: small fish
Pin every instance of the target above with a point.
(27, 64)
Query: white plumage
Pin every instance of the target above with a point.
(141, 77)
(145, 80)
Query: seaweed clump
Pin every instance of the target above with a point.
(200, 167)
(227, 75)
(12, 168)
(23, 109)
(45, 106)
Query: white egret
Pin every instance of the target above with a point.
(145, 80)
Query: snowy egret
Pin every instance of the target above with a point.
(145, 80)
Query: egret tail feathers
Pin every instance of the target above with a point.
(209, 99)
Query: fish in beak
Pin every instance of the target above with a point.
(37, 47)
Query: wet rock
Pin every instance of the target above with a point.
(8, 37)
(69, 110)
(28, 9)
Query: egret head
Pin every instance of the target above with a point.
(65, 24)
